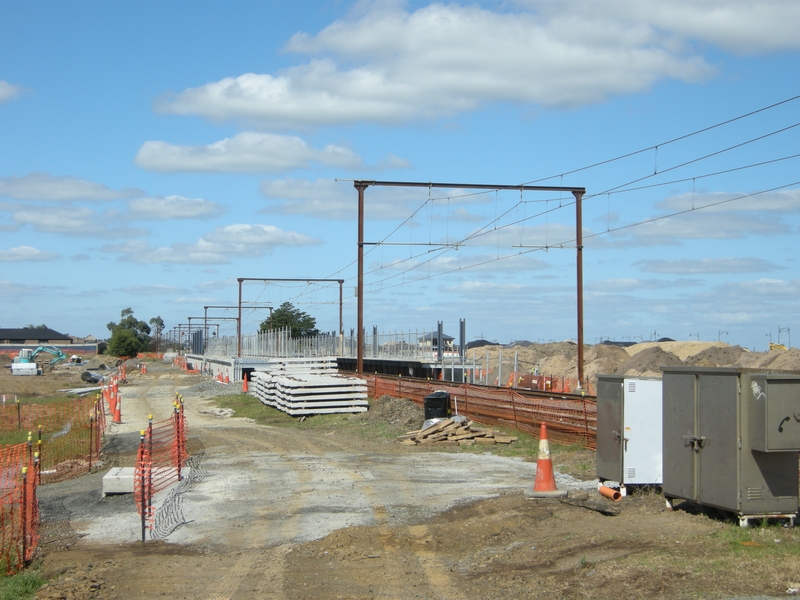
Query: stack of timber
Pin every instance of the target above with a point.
(455, 433)
(316, 391)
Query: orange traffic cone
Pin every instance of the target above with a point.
(227, 379)
(545, 484)
(245, 387)
(117, 420)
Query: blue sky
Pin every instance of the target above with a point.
(153, 152)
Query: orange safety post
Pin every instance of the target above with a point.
(245, 387)
(545, 484)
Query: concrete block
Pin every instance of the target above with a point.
(118, 480)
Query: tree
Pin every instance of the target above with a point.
(130, 333)
(123, 343)
(286, 315)
(158, 327)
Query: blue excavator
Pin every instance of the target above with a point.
(25, 362)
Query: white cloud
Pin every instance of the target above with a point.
(174, 207)
(42, 187)
(780, 201)
(469, 263)
(215, 247)
(153, 290)
(738, 26)
(201, 300)
(26, 253)
(707, 265)
(627, 284)
(480, 288)
(444, 59)
(211, 286)
(329, 199)
(8, 91)
(9, 289)
(247, 152)
(143, 252)
(77, 221)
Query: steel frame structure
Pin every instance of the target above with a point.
(578, 192)
(267, 280)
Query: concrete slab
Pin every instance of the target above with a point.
(118, 480)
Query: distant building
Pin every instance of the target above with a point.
(36, 337)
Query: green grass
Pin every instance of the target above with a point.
(54, 400)
(359, 424)
(249, 407)
(22, 585)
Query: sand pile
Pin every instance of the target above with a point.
(643, 360)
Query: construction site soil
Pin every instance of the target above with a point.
(310, 511)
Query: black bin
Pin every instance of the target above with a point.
(437, 405)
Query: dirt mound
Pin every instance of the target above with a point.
(648, 362)
(603, 359)
(682, 350)
(716, 356)
(785, 360)
(400, 412)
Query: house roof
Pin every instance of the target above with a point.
(32, 334)
(434, 337)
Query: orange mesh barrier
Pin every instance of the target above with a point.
(19, 510)
(570, 419)
(65, 435)
(159, 463)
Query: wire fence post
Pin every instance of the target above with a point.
(91, 440)
(19, 413)
(24, 513)
(143, 476)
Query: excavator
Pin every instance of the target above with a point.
(25, 362)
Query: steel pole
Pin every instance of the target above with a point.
(341, 319)
(579, 269)
(360, 292)
(239, 322)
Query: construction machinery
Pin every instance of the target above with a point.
(25, 362)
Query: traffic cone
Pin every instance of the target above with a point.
(117, 420)
(227, 379)
(245, 387)
(545, 484)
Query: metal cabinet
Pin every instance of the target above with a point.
(629, 430)
(731, 438)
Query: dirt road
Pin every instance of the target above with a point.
(286, 513)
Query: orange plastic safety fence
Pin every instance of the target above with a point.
(570, 419)
(66, 435)
(159, 463)
(19, 509)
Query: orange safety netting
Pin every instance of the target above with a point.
(180, 361)
(19, 509)
(570, 419)
(65, 435)
(160, 461)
